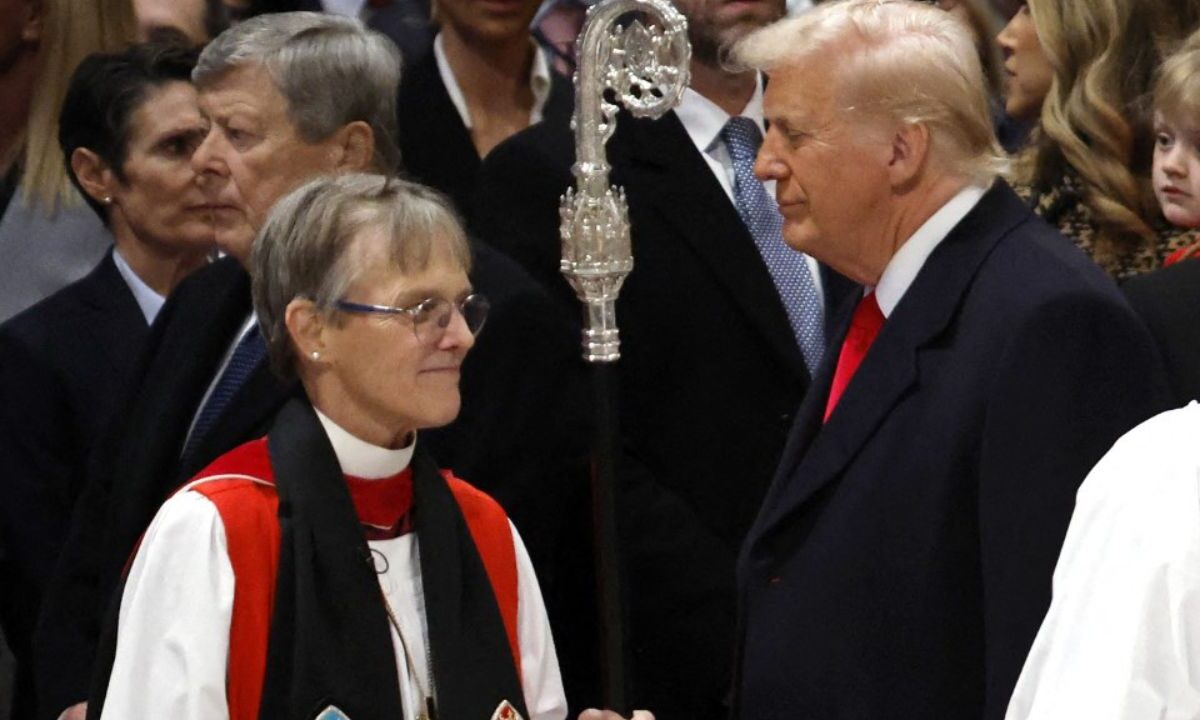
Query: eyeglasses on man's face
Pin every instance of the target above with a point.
(431, 316)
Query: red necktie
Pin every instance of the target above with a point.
(864, 326)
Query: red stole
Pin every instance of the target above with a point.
(249, 513)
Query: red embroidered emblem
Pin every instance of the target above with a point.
(505, 711)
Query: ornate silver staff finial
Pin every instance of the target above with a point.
(646, 69)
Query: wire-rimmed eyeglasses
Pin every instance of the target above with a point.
(431, 316)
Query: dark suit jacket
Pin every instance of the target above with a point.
(710, 374)
(63, 361)
(1168, 302)
(405, 22)
(513, 398)
(138, 465)
(435, 147)
(901, 564)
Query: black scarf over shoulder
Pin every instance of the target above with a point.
(330, 641)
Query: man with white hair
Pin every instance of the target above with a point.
(721, 327)
(901, 562)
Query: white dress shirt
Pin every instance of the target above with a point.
(906, 264)
(147, 299)
(539, 82)
(348, 8)
(351, 9)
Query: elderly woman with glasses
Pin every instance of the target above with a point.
(329, 569)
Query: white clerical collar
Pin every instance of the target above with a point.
(539, 82)
(902, 269)
(148, 300)
(703, 119)
(362, 459)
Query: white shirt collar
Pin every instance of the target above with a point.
(348, 8)
(362, 459)
(147, 299)
(902, 269)
(703, 119)
(539, 82)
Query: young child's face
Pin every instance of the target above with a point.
(1177, 172)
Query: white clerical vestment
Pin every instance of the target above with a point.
(1122, 637)
(173, 642)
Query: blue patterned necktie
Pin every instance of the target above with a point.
(249, 352)
(789, 268)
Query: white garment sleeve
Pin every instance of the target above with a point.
(541, 681)
(1122, 637)
(173, 636)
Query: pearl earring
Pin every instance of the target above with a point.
(315, 355)
(107, 200)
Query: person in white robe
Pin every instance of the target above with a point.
(361, 291)
(1121, 640)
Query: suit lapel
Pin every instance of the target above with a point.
(810, 415)
(817, 453)
(435, 144)
(196, 326)
(665, 172)
(115, 319)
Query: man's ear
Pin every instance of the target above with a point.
(94, 175)
(306, 327)
(909, 151)
(355, 147)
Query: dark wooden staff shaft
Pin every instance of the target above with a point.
(610, 601)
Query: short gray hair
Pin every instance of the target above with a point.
(905, 60)
(303, 248)
(331, 70)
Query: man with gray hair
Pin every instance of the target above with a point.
(288, 97)
(203, 382)
(901, 562)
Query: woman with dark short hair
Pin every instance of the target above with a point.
(129, 124)
(127, 130)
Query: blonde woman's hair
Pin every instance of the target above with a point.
(72, 30)
(1095, 120)
(907, 61)
(1177, 86)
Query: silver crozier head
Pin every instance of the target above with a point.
(643, 67)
